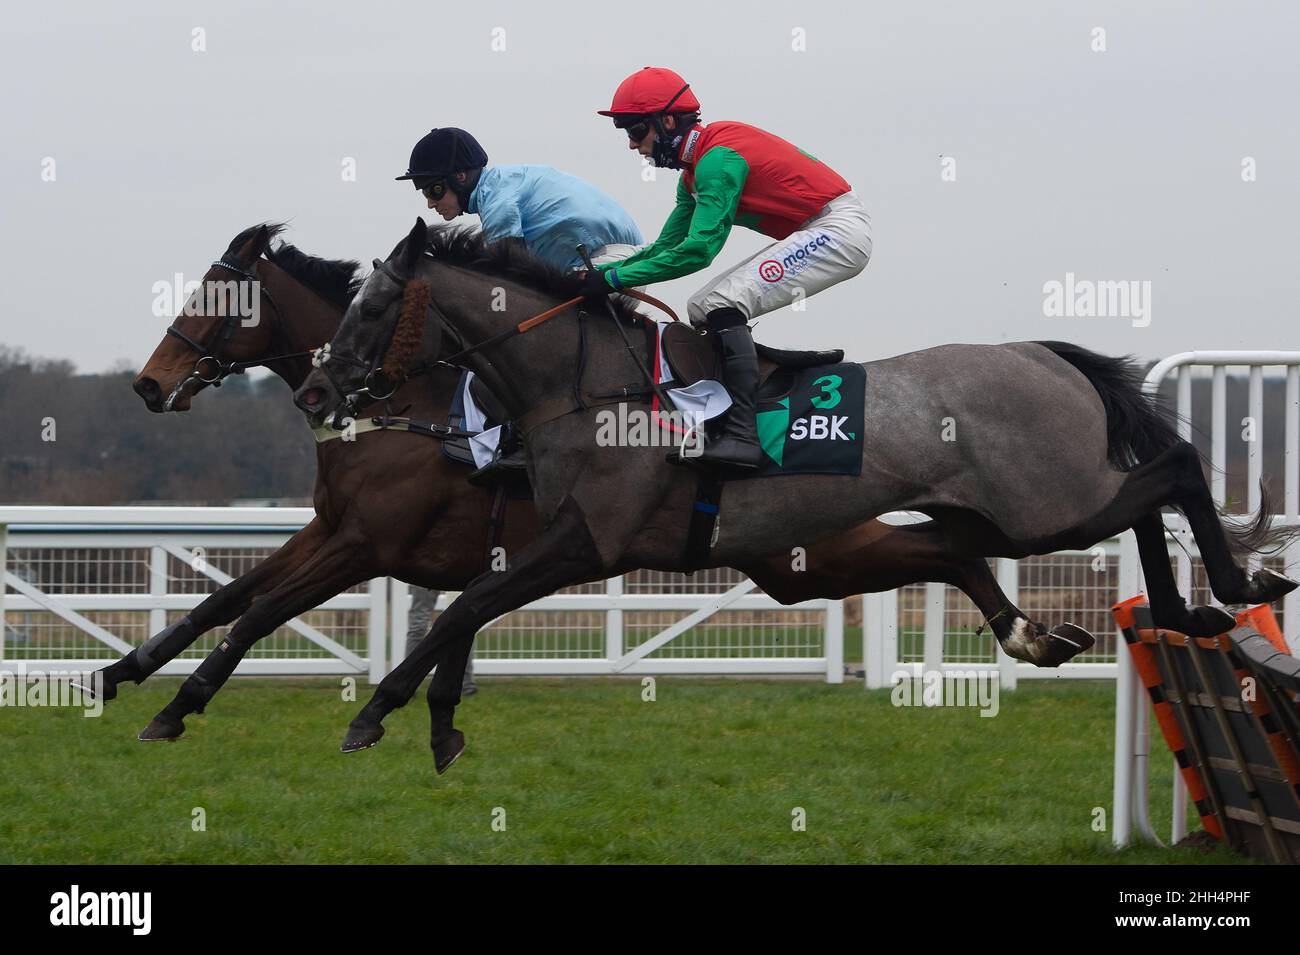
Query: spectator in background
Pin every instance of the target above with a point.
(423, 603)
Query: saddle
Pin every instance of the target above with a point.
(510, 464)
(693, 357)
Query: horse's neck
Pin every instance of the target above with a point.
(304, 322)
(525, 369)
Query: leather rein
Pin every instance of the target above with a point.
(528, 324)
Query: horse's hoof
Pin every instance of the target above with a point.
(1268, 585)
(106, 691)
(447, 750)
(1032, 643)
(1205, 622)
(361, 736)
(1064, 641)
(160, 729)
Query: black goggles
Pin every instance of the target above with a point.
(637, 131)
(435, 190)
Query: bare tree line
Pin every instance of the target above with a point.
(73, 438)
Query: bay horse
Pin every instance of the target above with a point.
(1058, 449)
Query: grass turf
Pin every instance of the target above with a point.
(579, 770)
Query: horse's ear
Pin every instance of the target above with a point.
(255, 246)
(414, 247)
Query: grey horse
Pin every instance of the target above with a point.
(1055, 448)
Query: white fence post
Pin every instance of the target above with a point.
(1009, 580)
(157, 587)
(879, 638)
(1121, 818)
(1126, 706)
(936, 613)
(834, 641)
(377, 628)
(399, 615)
(872, 638)
(613, 622)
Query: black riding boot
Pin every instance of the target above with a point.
(737, 446)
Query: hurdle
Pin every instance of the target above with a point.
(1228, 707)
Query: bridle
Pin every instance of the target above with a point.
(373, 385)
(210, 368)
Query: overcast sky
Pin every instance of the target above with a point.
(1122, 165)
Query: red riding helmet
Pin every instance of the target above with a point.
(652, 89)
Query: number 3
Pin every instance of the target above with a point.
(830, 396)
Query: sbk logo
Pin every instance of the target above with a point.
(820, 427)
(802, 433)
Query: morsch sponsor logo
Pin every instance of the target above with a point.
(803, 251)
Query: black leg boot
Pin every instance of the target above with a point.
(737, 446)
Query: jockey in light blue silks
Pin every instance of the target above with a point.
(549, 211)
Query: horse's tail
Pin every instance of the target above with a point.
(1139, 426)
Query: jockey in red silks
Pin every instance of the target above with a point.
(734, 174)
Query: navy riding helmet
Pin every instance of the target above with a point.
(442, 152)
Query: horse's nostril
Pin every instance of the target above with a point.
(147, 388)
(311, 398)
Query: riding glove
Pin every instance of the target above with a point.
(594, 285)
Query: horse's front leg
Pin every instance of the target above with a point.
(218, 609)
(339, 563)
(564, 554)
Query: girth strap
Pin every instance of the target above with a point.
(703, 530)
(496, 523)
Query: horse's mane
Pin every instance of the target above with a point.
(337, 281)
(469, 248)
